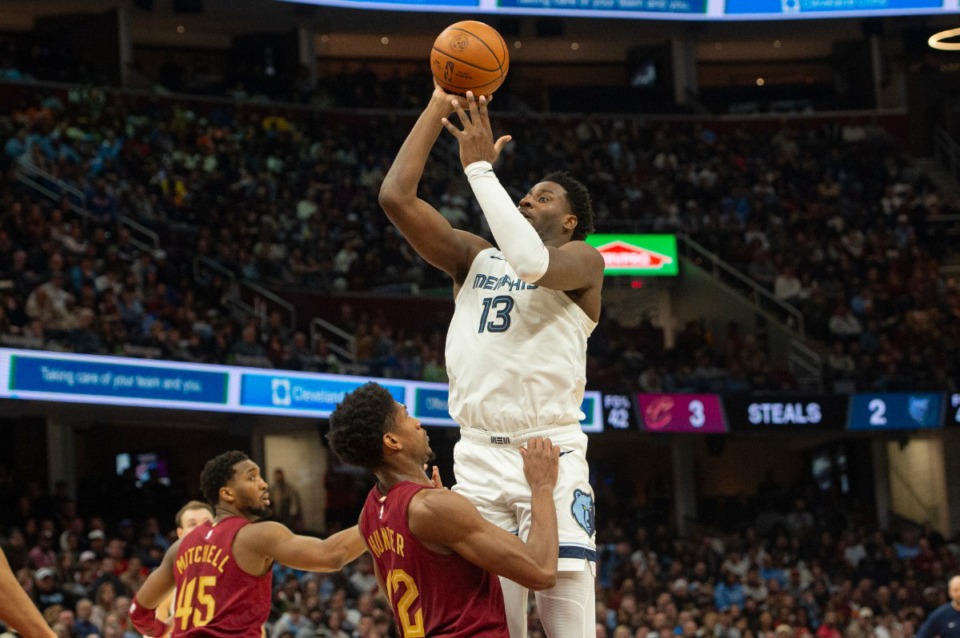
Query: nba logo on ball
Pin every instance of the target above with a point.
(469, 56)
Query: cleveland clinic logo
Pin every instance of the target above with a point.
(280, 391)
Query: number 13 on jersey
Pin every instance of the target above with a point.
(496, 313)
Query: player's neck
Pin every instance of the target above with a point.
(390, 476)
(224, 511)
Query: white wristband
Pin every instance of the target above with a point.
(516, 238)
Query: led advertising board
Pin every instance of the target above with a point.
(637, 255)
(699, 10)
(70, 378)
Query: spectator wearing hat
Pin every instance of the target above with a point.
(861, 625)
(82, 575)
(47, 592)
(97, 540)
(784, 630)
(944, 621)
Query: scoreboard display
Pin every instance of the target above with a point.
(682, 413)
(896, 411)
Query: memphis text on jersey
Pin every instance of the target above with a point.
(210, 554)
(492, 282)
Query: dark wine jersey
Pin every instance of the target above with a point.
(432, 595)
(215, 597)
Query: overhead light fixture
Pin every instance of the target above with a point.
(939, 40)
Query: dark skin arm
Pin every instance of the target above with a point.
(256, 547)
(447, 522)
(431, 235)
(160, 581)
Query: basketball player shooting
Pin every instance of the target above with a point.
(516, 345)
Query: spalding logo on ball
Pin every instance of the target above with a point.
(469, 56)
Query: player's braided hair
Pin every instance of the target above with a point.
(217, 472)
(580, 203)
(358, 424)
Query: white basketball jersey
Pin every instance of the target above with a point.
(516, 353)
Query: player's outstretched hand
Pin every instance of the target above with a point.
(476, 138)
(434, 475)
(447, 99)
(541, 462)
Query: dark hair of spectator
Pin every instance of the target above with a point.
(579, 198)
(217, 472)
(358, 424)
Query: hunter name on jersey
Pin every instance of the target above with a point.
(385, 539)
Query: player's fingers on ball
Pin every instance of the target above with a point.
(450, 127)
(472, 102)
(458, 107)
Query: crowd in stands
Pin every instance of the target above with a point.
(832, 219)
(783, 561)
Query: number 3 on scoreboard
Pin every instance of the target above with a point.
(412, 627)
(185, 602)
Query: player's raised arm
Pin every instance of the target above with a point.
(444, 518)
(534, 236)
(430, 234)
(275, 541)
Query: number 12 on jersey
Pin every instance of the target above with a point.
(412, 624)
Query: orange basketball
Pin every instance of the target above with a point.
(469, 56)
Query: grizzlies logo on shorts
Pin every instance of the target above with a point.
(583, 510)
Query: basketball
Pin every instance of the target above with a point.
(469, 56)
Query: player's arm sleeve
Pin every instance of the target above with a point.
(145, 619)
(516, 238)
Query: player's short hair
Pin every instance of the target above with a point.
(580, 202)
(357, 425)
(193, 505)
(217, 472)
